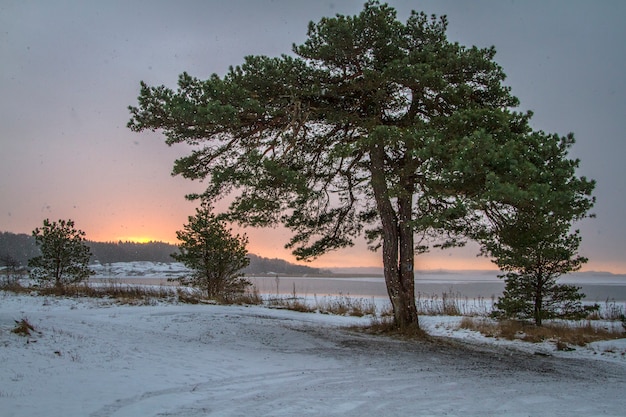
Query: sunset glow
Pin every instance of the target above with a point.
(137, 239)
(66, 152)
(124, 225)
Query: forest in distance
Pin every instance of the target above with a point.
(21, 247)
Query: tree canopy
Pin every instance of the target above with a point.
(214, 254)
(64, 255)
(530, 234)
(372, 126)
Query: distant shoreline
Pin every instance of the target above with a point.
(374, 286)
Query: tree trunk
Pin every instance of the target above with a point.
(398, 254)
(538, 310)
(406, 264)
(57, 273)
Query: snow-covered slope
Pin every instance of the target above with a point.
(94, 358)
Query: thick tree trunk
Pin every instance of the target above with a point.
(406, 264)
(398, 252)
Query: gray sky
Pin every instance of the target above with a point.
(69, 69)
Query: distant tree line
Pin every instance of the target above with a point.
(22, 247)
(261, 265)
(107, 252)
(19, 247)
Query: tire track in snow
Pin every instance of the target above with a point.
(228, 396)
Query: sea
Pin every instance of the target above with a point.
(597, 287)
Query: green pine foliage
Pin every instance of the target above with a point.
(64, 255)
(214, 254)
(531, 297)
(529, 231)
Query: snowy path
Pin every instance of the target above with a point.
(184, 360)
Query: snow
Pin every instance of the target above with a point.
(143, 269)
(96, 358)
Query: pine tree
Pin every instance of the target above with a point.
(530, 231)
(214, 254)
(374, 127)
(64, 255)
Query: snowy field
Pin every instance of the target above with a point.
(95, 358)
(139, 269)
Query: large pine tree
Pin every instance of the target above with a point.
(353, 135)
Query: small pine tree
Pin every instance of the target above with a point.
(536, 251)
(532, 238)
(64, 255)
(540, 298)
(214, 254)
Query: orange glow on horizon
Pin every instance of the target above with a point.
(269, 243)
(135, 239)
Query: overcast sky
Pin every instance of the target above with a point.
(69, 69)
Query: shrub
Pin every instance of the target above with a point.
(562, 333)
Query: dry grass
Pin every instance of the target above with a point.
(450, 303)
(344, 305)
(433, 305)
(122, 293)
(111, 289)
(611, 310)
(135, 294)
(248, 297)
(188, 296)
(291, 303)
(23, 327)
(15, 287)
(563, 334)
(341, 305)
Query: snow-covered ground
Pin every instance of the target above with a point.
(95, 358)
(142, 269)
